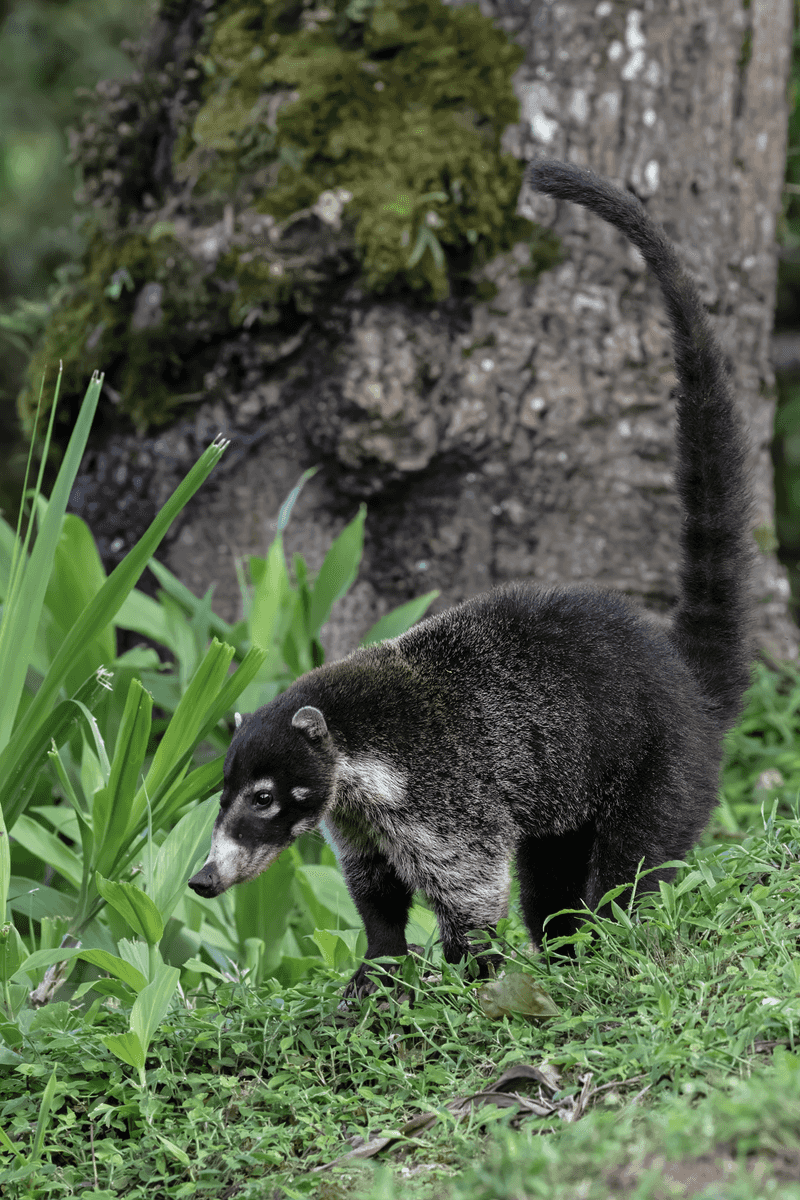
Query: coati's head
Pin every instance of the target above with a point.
(279, 777)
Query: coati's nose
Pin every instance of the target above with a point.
(207, 881)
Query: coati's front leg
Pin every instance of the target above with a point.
(476, 905)
(383, 901)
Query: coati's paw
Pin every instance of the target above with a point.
(367, 980)
(488, 963)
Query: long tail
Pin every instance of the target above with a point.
(710, 624)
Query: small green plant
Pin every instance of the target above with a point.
(762, 763)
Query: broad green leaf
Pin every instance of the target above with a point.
(338, 571)
(325, 892)
(134, 906)
(150, 1006)
(49, 848)
(422, 926)
(23, 607)
(12, 1036)
(272, 595)
(399, 619)
(102, 609)
(5, 867)
(181, 853)
(99, 958)
(76, 578)
(143, 615)
(263, 906)
(200, 968)
(337, 946)
(127, 1047)
(36, 901)
(138, 954)
(13, 952)
(116, 966)
(111, 811)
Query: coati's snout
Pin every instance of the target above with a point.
(207, 881)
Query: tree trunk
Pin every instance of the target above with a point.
(533, 436)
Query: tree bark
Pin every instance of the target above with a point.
(533, 436)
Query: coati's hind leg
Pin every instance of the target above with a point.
(383, 901)
(552, 873)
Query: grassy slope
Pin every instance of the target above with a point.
(661, 1025)
(672, 1057)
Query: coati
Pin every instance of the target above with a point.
(558, 725)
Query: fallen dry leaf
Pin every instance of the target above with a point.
(515, 993)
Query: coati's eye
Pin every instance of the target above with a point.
(262, 796)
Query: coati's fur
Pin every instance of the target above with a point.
(558, 725)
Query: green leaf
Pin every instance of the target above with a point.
(127, 1047)
(99, 958)
(338, 571)
(127, 972)
(76, 578)
(325, 893)
(13, 1037)
(516, 993)
(150, 1006)
(263, 906)
(13, 952)
(102, 609)
(45, 1108)
(272, 596)
(35, 900)
(186, 725)
(112, 807)
(337, 947)
(25, 600)
(53, 729)
(144, 615)
(134, 906)
(199, 785)
(187, 600)
(5, 867)
(181, 853)
(49, 848)
(399, 619)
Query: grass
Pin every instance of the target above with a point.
(673, 1054)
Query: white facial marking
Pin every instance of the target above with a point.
(300, 793)
(272, 811)
(262, 785)
(235, 862)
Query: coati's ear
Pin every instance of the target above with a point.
(237, 720)
(310, 722)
